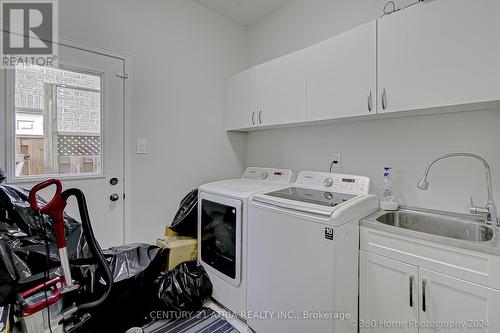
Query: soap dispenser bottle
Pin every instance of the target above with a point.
(387, 200)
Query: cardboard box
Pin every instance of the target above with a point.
(181, 248)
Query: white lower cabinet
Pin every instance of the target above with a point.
(400, 297)
(388, 294)
(450, 301)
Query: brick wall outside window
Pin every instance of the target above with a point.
(77, 110)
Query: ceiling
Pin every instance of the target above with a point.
(244, 12)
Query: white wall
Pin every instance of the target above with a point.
(406, 144)
(180, 54)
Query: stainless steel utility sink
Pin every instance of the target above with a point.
(440, 225)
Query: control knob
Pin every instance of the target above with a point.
(328, 182)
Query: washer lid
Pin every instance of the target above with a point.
(306, 200)
(312, 196)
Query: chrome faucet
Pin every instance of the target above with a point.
(491, 209)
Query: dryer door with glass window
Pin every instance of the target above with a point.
(219, 236)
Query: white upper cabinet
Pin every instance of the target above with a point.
(342, 75)
(282, 90)
(439, 53)
(241, 100)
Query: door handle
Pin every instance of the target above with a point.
(412, 278)
(260, 117)
(114, 197)
(424, 295)
(370, 101)
(253, 118)
(384, 99)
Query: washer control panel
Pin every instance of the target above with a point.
(334, 182)
(268, 174)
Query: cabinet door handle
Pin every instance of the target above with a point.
(384, 99)
(260, 117)
(424, 295)
(412, 279)
(253, 118)
(370, 101)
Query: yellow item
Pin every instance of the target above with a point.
(169, 232)
(181, 248)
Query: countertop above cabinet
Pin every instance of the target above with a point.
(433, 57)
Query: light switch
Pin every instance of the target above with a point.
(142, 146)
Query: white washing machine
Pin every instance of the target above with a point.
(222, 231)
(303, 243)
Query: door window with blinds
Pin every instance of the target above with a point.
(58, 122)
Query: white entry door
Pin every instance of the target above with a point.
(68, 123)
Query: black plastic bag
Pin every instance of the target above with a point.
(184, 288)
(8, 274)
(185, 222)
(25, 231)
(31, 228)
(135, 268)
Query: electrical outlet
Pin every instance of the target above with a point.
(336, 167)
